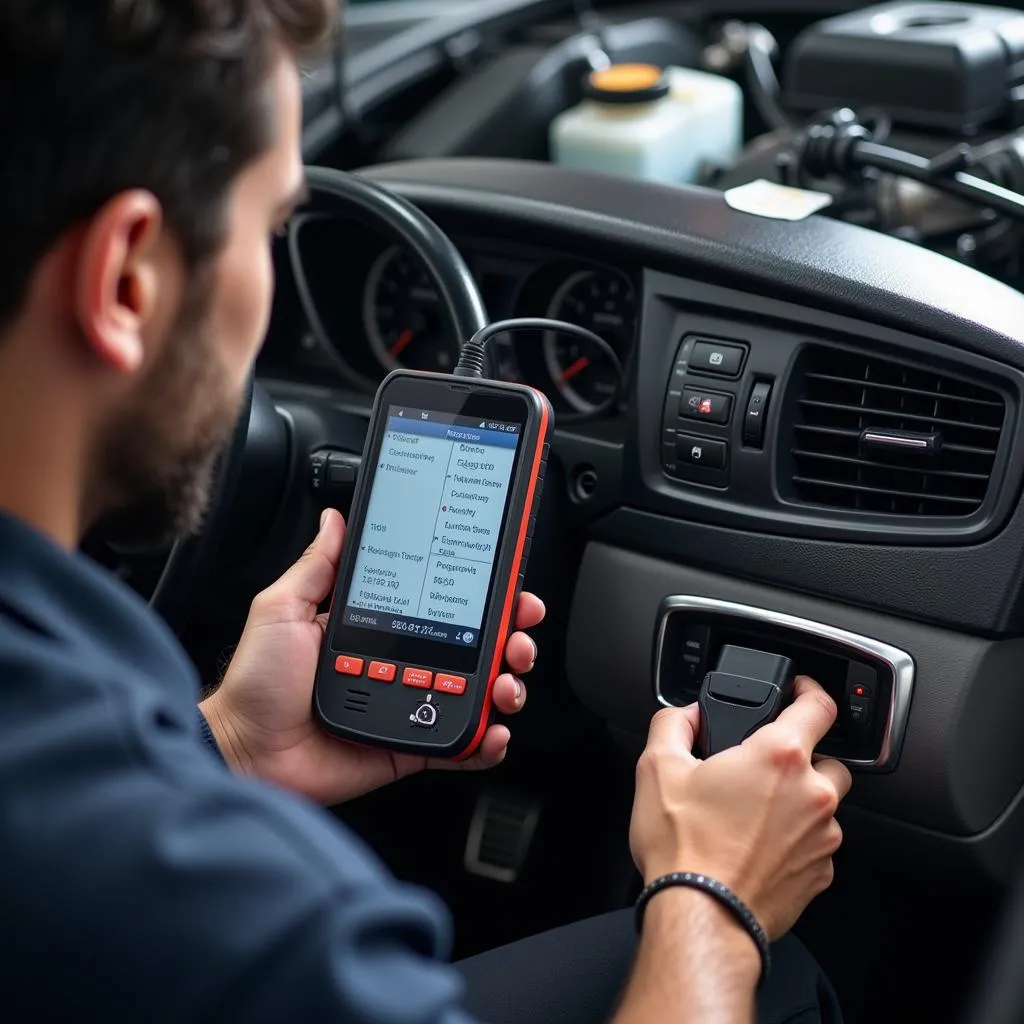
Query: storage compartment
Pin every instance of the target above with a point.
(871, 682)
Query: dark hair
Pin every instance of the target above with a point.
(100, 96)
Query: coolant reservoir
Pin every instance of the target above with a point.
(645, 122)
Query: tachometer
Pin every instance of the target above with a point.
(403, 318)
(605, 302)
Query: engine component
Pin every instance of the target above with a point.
(657, 124)
(956, 68)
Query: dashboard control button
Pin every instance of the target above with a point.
(348, 666)
(382, 671)
(450, 684)
(701, 452)
(717, 357)
(861, 681)
(705, 405)
(756, 414)
(418, 677)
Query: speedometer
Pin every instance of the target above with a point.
(403, 316)
(605, 302)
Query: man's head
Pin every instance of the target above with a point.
(150, 150)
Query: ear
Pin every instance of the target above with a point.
(118, 278)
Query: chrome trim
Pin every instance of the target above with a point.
(896, 440)
(900, 663)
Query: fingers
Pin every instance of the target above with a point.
(509, 694)
(808, 718)
(530, 611)
(492, 751)
(674, 731)
(836, 773)
(520, 653)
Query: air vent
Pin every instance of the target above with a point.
(874, 435)
(357, 700)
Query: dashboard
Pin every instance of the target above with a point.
(856, 402)
(369, 315)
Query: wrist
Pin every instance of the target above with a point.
(699, 913)
(227, 736)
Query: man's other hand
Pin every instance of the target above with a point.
(261, 713)
(760, 817)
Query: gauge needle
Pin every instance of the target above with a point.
(575, 369)
(402, 343)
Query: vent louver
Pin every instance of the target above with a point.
(874, 435)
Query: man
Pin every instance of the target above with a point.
(150, 153)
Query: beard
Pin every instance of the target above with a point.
(159, 458)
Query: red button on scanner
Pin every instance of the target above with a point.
(382, 671)
(450, 684)
(346, 666)
(418, 677)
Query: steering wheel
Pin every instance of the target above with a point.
(256, 457)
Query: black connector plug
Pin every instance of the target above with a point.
(747, 690)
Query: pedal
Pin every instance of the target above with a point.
(500, 834)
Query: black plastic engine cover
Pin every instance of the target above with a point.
(950, 67)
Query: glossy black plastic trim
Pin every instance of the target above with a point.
(819, 262)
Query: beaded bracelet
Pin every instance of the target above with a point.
(723, 894)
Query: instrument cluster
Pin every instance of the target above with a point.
(369, 307)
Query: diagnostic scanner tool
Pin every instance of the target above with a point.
(439, 535)
(747, 690)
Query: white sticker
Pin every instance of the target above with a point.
(765, 198)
